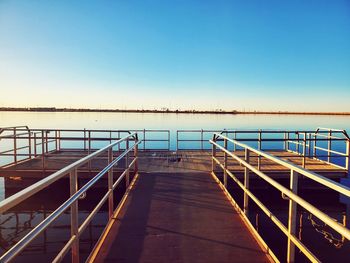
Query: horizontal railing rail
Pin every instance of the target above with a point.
(19, 144)
(75, 194)
(330, 135)
(291, 193)
(33, 143)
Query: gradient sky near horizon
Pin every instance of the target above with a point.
(243, 55)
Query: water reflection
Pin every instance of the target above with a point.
(15, 224)
(20, 220)
(78, 120)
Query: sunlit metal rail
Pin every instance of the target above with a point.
(20, 144)
(221, 142)
(131, 144)
(301, 143)
(321, 144)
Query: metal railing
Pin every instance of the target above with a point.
(43, 142)
(306, 145)
(75, 194)
(199, 140)
(291, 193)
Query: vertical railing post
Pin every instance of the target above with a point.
(46, 141)
(314, 148)
(127, 176)
(74, 212)
(30, 145)
(246, 183)
(110, 137)
(259, 147)
(304, 150)
(177, 140)
(285, 141)
(202, 139)
(225, 163)
(59, 140)
(56, 140)
(14, 145)
(309, 144)
(136, 153)
(43, 149)
(292, 217)
(234, 137)
(110, 184)
(34, 144)
(329, 146)
(168, 140)
(118, 139)
(144, 139)
(89, 148)
(84, 139)
(213, 154)
(298, 141)
(89, 142)
(347, 158)
(259, 140)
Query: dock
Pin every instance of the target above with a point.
(177, 217)
(177, 205)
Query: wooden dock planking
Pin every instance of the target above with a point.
(178, 217)
(165, 161)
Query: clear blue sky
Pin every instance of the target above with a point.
(252, 55)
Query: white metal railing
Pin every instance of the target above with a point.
(75, 193)
(306, 145)
(19, 144)
(25, 144)
(291, 193)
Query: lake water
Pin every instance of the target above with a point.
(169, 121)
(15, 223)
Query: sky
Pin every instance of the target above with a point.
(206, 55)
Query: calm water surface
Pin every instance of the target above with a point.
(169, 121)
(18, 221)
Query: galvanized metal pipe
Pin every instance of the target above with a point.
(322, 216)
(74, 212)
(26, 240)
(225, 164)
(36, 187)
(292, 217)
(246, 183)
(110, 184)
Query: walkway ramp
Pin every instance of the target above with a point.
(178, 217)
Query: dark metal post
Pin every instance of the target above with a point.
(292, 216)
(225, 164)
(127, 176)
(74, 216)
(246, 183)
(14, 145)
(110, 184)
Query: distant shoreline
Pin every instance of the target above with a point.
(233, 112)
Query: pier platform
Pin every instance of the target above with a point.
(184, 205)
(177, 217)
(167, 161)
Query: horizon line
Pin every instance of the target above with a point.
(166, 110)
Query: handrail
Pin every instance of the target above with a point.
(311, 175)
(36, 187)
(57, 140)
(2, 129)
(260, 136)
(73, 242)
(332, 130)
(290, 193)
